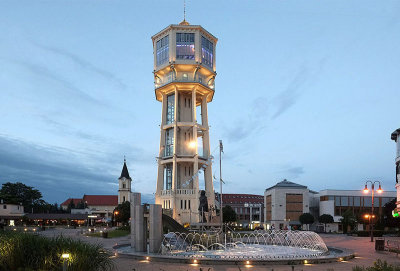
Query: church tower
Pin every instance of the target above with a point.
(124, 191)
(184, 74)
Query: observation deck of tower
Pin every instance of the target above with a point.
(184, 77)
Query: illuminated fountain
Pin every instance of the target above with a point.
(261, 245)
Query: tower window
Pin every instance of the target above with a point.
(207, 52)
(123, 199)
(123, 185)
(170, 108)
(168, 177)
(185, 45)
(169, 142)
(162, 50)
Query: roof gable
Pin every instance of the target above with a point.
(125, 172)
(287, 184)
(106, 200)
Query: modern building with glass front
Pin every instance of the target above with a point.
(286, 201)
(336, 202)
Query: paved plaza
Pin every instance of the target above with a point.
(364, 250)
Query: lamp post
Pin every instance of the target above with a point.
(221, 150)
(115, 217)
(371, 223)
(65, 257)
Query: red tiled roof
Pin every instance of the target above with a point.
(242, 198)
(108, 200)
(75, 201)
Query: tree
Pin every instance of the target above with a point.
(348, 219)
(306, 218)
(228, 214)
(122, 212)
(19, 193)
(71, 205)
(388, 219)
(81, 205)
(325, 219)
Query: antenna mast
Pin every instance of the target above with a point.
(184, 10)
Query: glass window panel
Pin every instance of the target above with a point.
(385, 200)
(207, 52)
(331, 198)
(170, 108)
(344, 201)
(169, 142)
(368, 202)
(162, 48)
(357, 201)
(337, 201)
(185, 45)
(168, 177)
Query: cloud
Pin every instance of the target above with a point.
(292, 171)
(291, 94)
(57, 172)
(264, 109)
(67, 86)
(83, 63)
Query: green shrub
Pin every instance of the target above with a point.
(125, 228)
(24, 251)
(379, 265)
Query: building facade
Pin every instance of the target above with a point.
(336, 202)
(396, 137)
(124, 183)
(249, 208)
(9, 213)
(184, 74)
(100, 205)
(284, 203)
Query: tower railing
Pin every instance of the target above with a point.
(178, 192)
(184, 79)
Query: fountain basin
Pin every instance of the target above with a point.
(334, 255)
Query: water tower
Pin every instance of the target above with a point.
(184, 74)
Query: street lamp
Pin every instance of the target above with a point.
(115, 217)
(371, 222)
(65, 257)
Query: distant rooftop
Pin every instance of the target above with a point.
(286, 184)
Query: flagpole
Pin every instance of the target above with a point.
(221, 149)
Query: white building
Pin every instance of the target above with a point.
(396, 137)
(284, 203)
(10, 212)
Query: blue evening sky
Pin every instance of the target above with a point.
(306, 90)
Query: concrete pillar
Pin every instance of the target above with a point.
(156, 233)
(135, 201)
(140, 229)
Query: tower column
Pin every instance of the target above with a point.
(184, 63)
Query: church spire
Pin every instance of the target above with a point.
(125, 172)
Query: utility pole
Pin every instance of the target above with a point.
(221, 150)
